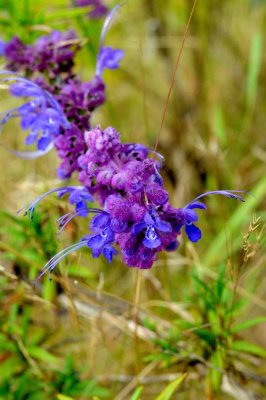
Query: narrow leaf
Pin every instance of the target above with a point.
(170, 389)
(247, 324)
(42, 355)
(137, 393)
(248, 347)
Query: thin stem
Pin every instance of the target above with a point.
(136, 315)
(173, 78)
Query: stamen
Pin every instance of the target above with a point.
(51, 264)
(107, 23)
(227, 193)
(30, 208)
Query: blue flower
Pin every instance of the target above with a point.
(190, 216)
(103, 238)
(79, 196)
(108, 57)
(152, 225)
(2, 48)
(192, 231)
(42, 116)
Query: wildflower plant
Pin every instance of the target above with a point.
(124, 178)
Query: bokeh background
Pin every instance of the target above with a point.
(194, 325)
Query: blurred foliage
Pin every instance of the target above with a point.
(197, 333)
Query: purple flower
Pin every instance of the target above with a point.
(52, 54)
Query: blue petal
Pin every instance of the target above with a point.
(138, 227)
(193, 232)
(162, 226)
(148, 219)
(31, 138)
(81, 209)
(197, 204)
(96, 243)
(108, 58)
(100, 221)
(78, 195)
(151, 243)
(151, 239)
(109, 252)
(190, 215)
(43, 143)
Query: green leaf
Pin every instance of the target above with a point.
(10, 367)
(63, 397)
(247, 347)
(170, 389)
(137, 393)
(207, 335)
(42, 355)
(216, 371)
(247, 324)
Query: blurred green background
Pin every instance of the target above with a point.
(194, 325)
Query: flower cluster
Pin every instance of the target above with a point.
(48, 65)
(136, 216)
(51, 54)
